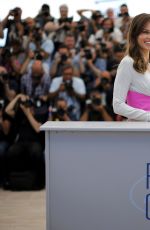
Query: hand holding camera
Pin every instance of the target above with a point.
(68, 86)
(15, 12)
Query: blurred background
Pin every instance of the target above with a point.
(32, 10)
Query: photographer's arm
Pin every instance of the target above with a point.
(54, 67)
(1, 30)
(81, 11)
(53, 94)
(33, 122)
(26, 62)
(66, 117)
(85, 115)
(104, 113)
(81, 63)
(94, 69)
(10, 93)
(10, 108)
(54, 90)
(80, 96)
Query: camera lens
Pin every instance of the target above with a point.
(96, 101)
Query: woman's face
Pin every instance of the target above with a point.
(144, 38)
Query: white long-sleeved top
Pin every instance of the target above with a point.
(128, 78)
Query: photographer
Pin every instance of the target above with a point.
(115, 59)
(26, 154)
(5, 124)
(61, 58)
(95, 20)
(94, 68)
(9, 84)
(60, 111)
(15, 25)
(125, 20)
(42, 46)
(95, 110)
(64, 24)
(44, 15)
(36, 85)
(108, 34)
(71, 88)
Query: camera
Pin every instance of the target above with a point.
(97, 14)
(83, 43)
(104, 81)
(45, 13)
(68, 85)
(65, 20)
(80, 26)
(26, 103)
(15, 11)
(62, 20)
(94, 101)
(104, 47)
(4, 76)
(64, 57)
(38, 55)
(60, 112)
(126, 14)
(36, 34)
(88, 54)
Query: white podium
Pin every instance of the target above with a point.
(97, 175)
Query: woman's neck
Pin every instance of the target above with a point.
(146, 56)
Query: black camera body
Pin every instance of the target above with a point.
(4, 76)
(104, 47)
(64, 58)
(97, 14)
(38, 55)
(15, 12)
(88, 54)
(80, 26)
(104, 81)
(68, 85)
(36, 102)
(26, 103)
(45, 13)
(61, 112)
(63, 20)
(126, 14)
(94, 101)
(58, 112)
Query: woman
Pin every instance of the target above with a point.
(131, 97)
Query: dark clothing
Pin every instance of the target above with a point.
(27, 153)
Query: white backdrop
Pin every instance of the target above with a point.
(32, 8)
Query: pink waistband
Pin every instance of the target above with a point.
(138, 100)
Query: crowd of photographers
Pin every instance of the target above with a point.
(55, 69)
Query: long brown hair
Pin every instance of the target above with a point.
(133, 49)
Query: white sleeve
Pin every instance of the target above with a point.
(79, 86)
(121, 88)
(55, 84)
